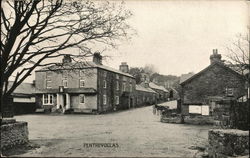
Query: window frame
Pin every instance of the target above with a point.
(65, 74)
(48, 74)
(130, 87)
(104, 99)
(81, 73)
(124, 86)
(50, 99)
(81, 80)
(117, 76)
(81, 95)
(230, 91)
(63, 81)
(48, 80)
(104, 83)
(117, 85)
(117, 100)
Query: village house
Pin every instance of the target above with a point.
(23, 98)
(162, 92)
(145, 95)
(85, 87)
(215, 81)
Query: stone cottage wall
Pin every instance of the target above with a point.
(14, 134)
(212, 82)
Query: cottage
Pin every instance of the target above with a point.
(145, 95)
(162, 92)
(23, 98)
(216, 80)
(88, 87)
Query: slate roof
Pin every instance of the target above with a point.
(141, 88)
(153, 85)
(82, 65)
(184, 77)
(23, 88)
(207, 68)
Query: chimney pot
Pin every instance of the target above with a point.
(124, 67)
(97, 58)
(215, 57)
(67, 59)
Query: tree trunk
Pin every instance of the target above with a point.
(7, 110)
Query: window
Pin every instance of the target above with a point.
(48, 84)
(124, 86)
(81, 83)
(104, 84)
(48, 99)
(65, 74)
(104, 74)
(117, 76)
(229, 91)
(124, 78)
(48, 74)
(104, 99)
(117, 85)
(130, 87)
(81, 99)
(116, 100)
(81, 73)
(65, 83)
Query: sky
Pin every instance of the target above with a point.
(178, 37)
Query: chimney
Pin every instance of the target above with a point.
(124, 67)
(215, 57)
(34, 82)
(97, 58)
(66, 59)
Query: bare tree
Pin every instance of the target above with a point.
(36, 30)
(238, 56)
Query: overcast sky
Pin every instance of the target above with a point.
(178, 36)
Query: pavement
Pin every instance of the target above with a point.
(131, 133)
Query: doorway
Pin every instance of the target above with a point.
(64, 100)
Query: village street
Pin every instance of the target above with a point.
(135, 132)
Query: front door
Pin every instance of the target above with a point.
(64, 100)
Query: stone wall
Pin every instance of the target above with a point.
(228, 143)
(14, 134)
(199, 120)
(172, 119)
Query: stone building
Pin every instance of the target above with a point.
(23, 98)
(86, 87)
(145, 95)
(216, 80)
(162, 93)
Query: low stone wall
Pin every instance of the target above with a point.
(228, 143)
(13, 134)
(172, 119)
(199, 120)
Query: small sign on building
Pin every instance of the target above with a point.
(204, 110)
(195, 109)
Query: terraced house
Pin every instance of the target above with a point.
(85, 87)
